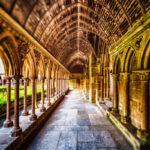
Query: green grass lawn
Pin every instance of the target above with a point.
(3, 96)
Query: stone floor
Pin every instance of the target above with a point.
(78, 125)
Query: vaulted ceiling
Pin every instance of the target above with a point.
(72, 29)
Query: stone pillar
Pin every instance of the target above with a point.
(104, 85)
(143, 132)
(107, 83)
(54, 89)
(16, 131)
(8, 122)
(92, 83)
(48, 92)
(125, 97)
(115, 78)
(25, 111)
(101, 89)
(42, 109)
(50, 89)
(36, 106)
(61, 87)
(33, 115)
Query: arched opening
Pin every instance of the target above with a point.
(132, 63)
(2, 71)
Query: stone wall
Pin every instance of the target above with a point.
(131, 55)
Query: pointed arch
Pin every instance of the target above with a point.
(146, 57)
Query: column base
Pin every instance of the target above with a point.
(101, 101)
(16, 131)
(8, 123)
(42, 109)
(49, 104)
(115, 110)
(33, 117)
(25, 113)
(124, 119)
(143, 135)
(36, 107)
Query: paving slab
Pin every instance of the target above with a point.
(78, 125)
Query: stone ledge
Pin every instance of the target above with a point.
(136, 143)
(29, 129)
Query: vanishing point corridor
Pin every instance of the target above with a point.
(78, 125)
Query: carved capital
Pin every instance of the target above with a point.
(124, 76)
(115, 76)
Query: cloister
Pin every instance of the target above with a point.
(75, 74)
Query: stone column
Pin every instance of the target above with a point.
(42, 109)
(33, 115)
(104, 85)
(50, 89)
(36, 105)
(16, 131)
(101, 89)
(25, 111)
(60, 87)
(8, 122)
(125, 97)
(115, 78)
(107, 84)
(48, 92)
(143, 132)
(54, 89)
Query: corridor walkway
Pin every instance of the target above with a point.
(78, 125)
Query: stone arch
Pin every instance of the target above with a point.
(146, 57)
(48, 70)
(9, 46)
(132, 64)
(29, 61)
(129, 56)
(41, 68)
(117, 65)
(6, 62)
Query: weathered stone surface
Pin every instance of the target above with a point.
(70, 136)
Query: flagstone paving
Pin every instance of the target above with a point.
(78, 125)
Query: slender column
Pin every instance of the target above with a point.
(25, 111)
(115, 108)
(104, 86)
(101, 88)
(16, 131)
(48, 92)
(42, 109)
(36, 105)
(56, 94)
(50, 89)
(33, 115)
(125, 97)
(60, 87)
(8, 122)
(142, 133)
(107, 83)
(54, 89)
